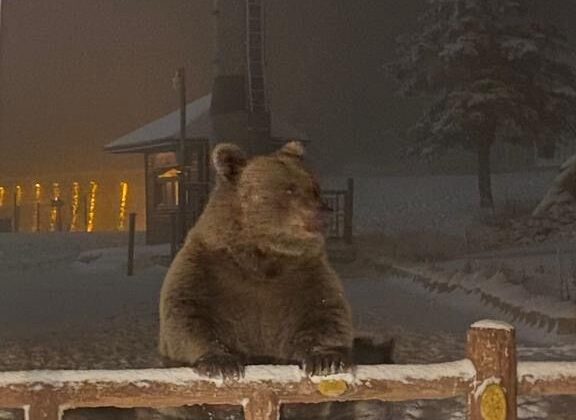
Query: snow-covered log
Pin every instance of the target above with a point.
(46, 394)
(547, 378)
(489, 377)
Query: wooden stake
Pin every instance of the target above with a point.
(492, 349)
(262, 406)
(44, 407)
(131, 242)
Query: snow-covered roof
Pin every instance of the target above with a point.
(167, 128)
(198, 126)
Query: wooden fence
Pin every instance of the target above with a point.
(489, 377)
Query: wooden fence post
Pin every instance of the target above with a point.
(131, 242)
(262, 406)
(492, 349)
(43, 407)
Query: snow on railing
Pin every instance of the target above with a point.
(49, 393)
(547, 378)
(488, 377)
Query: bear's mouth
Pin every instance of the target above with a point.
(315, 225)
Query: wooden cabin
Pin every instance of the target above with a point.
(159, 142)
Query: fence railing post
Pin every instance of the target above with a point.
(44, 407)
(492, 349)
(262, 406)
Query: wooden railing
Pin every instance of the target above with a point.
(489, 377)
(342, 204)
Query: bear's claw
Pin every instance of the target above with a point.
(228, 366)
(327, 362)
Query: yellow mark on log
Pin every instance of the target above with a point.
(493, 403)
(332, 387)
(2, 195)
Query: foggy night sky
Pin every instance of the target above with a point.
(76, 74)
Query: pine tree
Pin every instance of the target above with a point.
(492, 72)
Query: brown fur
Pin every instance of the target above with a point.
(252, 282)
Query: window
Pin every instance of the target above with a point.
(166, 188)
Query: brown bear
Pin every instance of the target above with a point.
(252, 282)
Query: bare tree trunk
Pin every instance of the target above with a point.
(484, 172)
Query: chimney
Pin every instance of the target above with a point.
(232, 117)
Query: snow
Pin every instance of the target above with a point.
(405, 373)
(462, 369)
(67, 285)
(561, 189)
(463, 46)
(143, 377)
(498, 287)
(198, 126)
(533, 372)
(492, 325)
(485, 383)
(139, 378)
(519, 47)
(278, 374)
(442, 203)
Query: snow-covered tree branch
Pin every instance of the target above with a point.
(493, 72)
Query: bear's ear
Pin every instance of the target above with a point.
(228, 160)
(293, 149)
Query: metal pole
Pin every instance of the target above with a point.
(131, 242)
(180, 84)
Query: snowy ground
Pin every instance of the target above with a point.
(441, 203)
(64, 305)
(66, 302)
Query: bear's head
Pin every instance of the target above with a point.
(277, 199)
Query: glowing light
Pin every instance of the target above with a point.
(37, 192)
(75, 206)
(54, 210)
(2, 195)
(92, 206)
(37, 198)
(123, 197)
(18, 195)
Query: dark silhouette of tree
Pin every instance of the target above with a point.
(492, 72)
